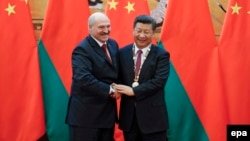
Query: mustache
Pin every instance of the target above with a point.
(106, 33)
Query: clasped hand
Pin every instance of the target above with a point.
(122, 89)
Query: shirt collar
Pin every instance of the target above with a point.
(144, 50)
(98, 42)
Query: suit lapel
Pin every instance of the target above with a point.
(129, 58)
(98, 49)
(146, 64)
(112, 54)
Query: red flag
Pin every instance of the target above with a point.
(188, 35)
(122, 14)
(234, 47)
(65, 25)
(21, 112)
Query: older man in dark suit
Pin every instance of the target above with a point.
(144, 71)
(92, 108)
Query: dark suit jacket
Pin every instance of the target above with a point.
(89, 103)
(148, 102)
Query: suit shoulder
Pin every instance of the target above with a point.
(126, 48)
(83, 42)
(159, 49)
(83, 45)
(113, 43)
(110, 40)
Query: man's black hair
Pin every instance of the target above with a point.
(145, 19)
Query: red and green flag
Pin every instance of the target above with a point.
(21, 112)
(194, 92)
(65, 25)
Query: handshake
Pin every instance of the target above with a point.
(119, 89)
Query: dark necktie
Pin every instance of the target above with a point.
(138, 62)
(104, 48)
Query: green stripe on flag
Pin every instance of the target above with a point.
(55, 98)
(184, 123)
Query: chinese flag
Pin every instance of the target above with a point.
(122, 14)
(194, 91)
(65, 25)
(234, 47)
(21, 110)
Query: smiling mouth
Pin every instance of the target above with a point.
(104, 35)
(141, 40)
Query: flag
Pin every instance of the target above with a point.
(65, 25)
(122, 14)
(21, 112)
(194, 98)
(234, 49)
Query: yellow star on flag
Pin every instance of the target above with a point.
(130, 7)
(10, 9)
(236, 9)
(112, 4)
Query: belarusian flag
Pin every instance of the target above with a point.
(21, 112)
(64, 26)
(194, 90)
(234, 49)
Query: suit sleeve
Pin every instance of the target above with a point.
(83, 73)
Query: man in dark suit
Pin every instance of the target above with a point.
(144, 71)
(92, 108)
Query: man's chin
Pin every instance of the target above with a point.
(105, 38)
